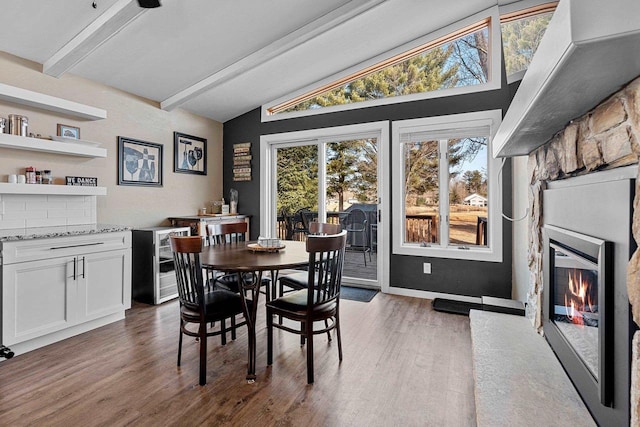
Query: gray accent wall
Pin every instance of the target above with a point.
(461, 277)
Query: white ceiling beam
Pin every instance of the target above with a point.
(296, 38)
(114, 19)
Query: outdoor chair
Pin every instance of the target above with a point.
(357, 226)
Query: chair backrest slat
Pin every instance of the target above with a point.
(326, 255)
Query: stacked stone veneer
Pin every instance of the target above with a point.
(605, 138)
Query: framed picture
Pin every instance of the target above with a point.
(139, 162)
(68, 131)
(189, 154)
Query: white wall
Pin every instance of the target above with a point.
(520, 284)
(127, 115)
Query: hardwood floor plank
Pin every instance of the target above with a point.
(404, 364)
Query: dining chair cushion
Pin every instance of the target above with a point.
(230, 281)
(297, 301)
(219, 304)
(295, 280)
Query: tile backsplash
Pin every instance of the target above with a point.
(26, 210)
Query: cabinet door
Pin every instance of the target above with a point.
(38, 298)
(104, 284)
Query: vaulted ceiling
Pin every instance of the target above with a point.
(217, 58)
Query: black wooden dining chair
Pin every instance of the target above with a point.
(197, 304)
(319, 301)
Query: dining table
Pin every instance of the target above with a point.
(249, 257)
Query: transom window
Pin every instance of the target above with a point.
(446, 184)
(522, 32)
(462, 58)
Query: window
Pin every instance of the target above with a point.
(446, 187)
(522, 32)
(462, 58)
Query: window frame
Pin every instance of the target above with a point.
(493, 83)
(493, 251)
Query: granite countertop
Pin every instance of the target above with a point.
(7, 235)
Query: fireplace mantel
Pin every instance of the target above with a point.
(590, 50)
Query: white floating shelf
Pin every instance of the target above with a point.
(589, 51)
(71, 190)
(48, 146)
(47, 102)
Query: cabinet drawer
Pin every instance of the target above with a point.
(32, 250)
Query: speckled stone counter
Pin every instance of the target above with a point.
(7, 235)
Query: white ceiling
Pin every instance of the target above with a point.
(217, 58)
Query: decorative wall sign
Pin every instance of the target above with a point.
(84, 181)
(68, 131)
(139, 162)
(189, 154)
(242, 161)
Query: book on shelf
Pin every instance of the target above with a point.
(241, 162)
(242, 145)
(242, 157)
(242, 178)
(241, 170)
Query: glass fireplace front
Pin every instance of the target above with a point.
(576, 303)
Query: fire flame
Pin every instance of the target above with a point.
(578, 299)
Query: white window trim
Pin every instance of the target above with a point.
(491, 253)
(493, 83)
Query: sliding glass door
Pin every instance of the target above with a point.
(328, 178)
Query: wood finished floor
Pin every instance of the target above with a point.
(404, 365)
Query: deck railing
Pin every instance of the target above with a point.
(419, 228)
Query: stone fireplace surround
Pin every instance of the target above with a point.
(606, 137)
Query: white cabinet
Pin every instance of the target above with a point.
(55, 288)
(154, 278)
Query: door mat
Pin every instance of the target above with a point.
(357, 294)
(455, 307)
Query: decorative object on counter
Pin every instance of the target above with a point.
(22, 179)
(233, 201)
(47, 178)
(3, 125)
(216, 206)
(38, 177)
(139, 163)
(202, 211)
(189, 154)
(225, 209)
(82, 181)
(242, 161)
(68, 131)
(18, 125)
(30, 173)
(12, 179)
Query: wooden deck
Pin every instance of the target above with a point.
(404, 365)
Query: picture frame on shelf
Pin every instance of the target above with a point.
(67, 131)
(139, 162)
(189, 154)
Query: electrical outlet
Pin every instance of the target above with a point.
(426, 268)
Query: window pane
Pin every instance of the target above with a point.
(520, 40)
(421, 192)
(460, 62)
(468, 191)
(297, 185)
